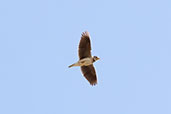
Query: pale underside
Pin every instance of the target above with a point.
(84, 62)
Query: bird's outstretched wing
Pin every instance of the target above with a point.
(84, 46)
(90, 74)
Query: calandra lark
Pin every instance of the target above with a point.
(86, 60)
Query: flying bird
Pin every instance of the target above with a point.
(86, 60)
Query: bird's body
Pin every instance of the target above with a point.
(83, 62)
(86, 60)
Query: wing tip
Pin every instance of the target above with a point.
(86, 33)
(93, 83)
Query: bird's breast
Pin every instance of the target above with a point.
(85, 62)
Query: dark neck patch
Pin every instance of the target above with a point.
(94, 60)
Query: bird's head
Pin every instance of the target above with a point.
(95, 58)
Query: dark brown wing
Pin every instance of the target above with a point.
(84, 46)
(90, 74)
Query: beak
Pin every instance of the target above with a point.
(98, 58)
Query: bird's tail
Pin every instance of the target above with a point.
(71, 65)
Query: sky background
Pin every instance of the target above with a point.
(39, 39)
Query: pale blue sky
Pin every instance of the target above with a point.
(39, 39)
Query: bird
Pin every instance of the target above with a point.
(86, 60)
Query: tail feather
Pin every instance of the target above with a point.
(71, 65)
